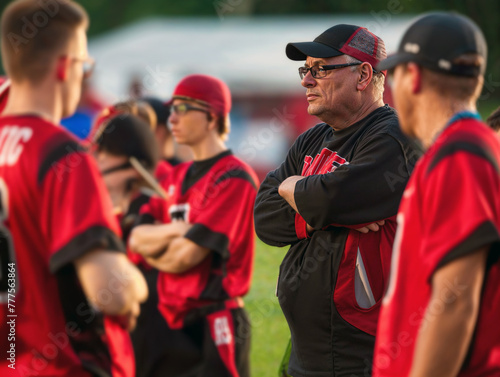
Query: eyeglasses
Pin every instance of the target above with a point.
(88, 65)
(183, 108)
(125, 166)
(319, 71)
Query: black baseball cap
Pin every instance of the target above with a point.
(435, 40)
(162, 111)
(341, 39)
(127, 135)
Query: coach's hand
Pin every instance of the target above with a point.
(374, 227)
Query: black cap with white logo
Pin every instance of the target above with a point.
(435, 40)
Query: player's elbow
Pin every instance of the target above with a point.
(110, 282)
(119, 297)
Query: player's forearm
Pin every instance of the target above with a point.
(111, 283)
(443, 342)
(149, 240)
(181, 255)
(133, 291)
(449, 321)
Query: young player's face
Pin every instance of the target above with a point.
(76, 54)
(120, 179)
(333, 94)
(189, 126)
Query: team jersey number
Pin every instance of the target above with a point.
(179, 212)
(7, 260)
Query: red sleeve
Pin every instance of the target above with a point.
(461, 199)
(226, 216)
(300, 227)
(153, 211)
(76, 211)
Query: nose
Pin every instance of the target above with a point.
(308, 81)
(173, 118)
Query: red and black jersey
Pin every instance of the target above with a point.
(331, 283)
(216, 196)
(450, 208)
(4, 92)
(54, 208)
(165, 167)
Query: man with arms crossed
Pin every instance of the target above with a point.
(337, 181)
(440, 313)
(204, 248)
(58, 232)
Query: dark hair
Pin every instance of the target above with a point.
(457, 87)
(127, 135)
(494, 120)
(223, 126)
(162, 111)
(33, 32)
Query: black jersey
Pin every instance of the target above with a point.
(331, 283)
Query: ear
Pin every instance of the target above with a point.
(365, 76)
(415, 73)
(212, 121)
(62, 68)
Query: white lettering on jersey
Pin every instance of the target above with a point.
(11, 143)
(171, 190)
(222, 332)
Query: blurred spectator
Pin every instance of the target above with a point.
(80, 123)
(136, 87)
(164, 139)
(123, 137)
(139, 109)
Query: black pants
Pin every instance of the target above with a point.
(217, 345)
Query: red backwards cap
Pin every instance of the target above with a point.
(205, 89)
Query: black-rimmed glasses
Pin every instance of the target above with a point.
(124, 166)
(183, 108)
(319, 71)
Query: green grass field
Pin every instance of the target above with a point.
(270, 332)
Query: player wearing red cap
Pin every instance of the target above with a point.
(205, 247)
(62, 261)
(440, 314)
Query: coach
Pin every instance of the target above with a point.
(334, 200)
